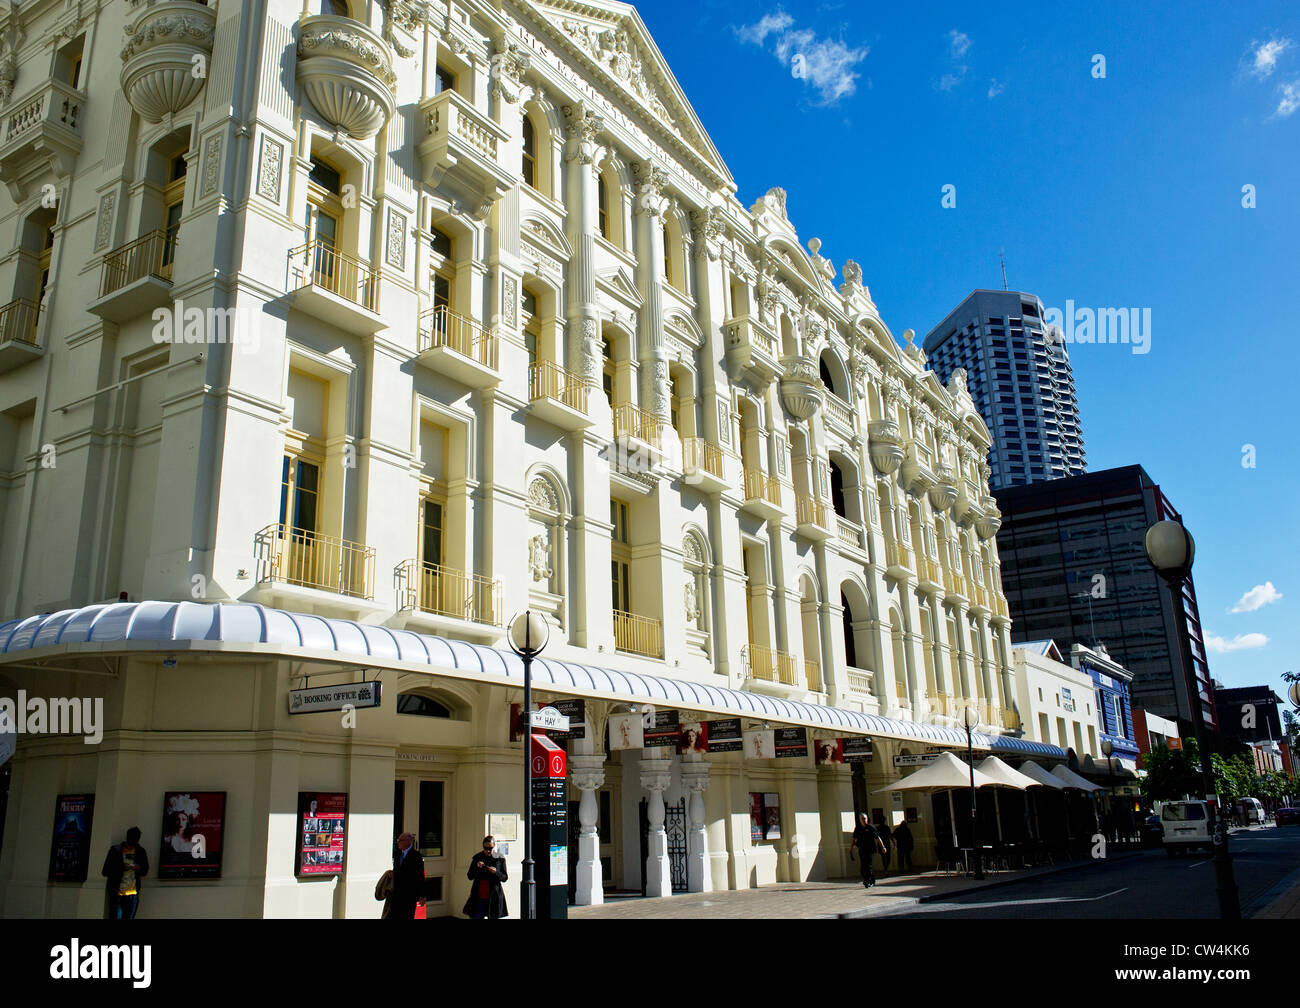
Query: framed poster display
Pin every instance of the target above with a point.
(322, 833)
(194, 824)
(70, 843)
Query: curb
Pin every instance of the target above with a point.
(1262, 904)
(994, 884)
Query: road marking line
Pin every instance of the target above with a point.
(1198, 864)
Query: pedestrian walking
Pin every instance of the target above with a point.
(126, 864)
(867, 842)
(904, 843)
(487, 897)
(887, 839)
(408, 879)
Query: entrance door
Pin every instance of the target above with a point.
(675, 824)
(420, 806)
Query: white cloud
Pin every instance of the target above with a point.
(996, 87)
(1242, 642)
(1290, 100)
(824, 63)
(1264, 55)
(950, 80)
(958, 43)
(1257, 598)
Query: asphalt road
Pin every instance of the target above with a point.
(1151, 885)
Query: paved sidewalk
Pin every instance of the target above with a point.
(803, 900)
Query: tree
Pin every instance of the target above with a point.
(1173, 773)
(1234, 778)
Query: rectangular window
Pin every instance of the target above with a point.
(299, 489)
(620, 565)
(430, 839)
(431, 533)
(443, 80)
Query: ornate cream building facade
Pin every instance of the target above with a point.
(407, 317)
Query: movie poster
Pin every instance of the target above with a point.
(755, 816)
(193, 826)
(322, 833)
(694, 737)
(70, 846)
(790, 742)
(661, 730)
(828, 750)
(724, 735)
(625, 731)
(856, 749)
(759, 744)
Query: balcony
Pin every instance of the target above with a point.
(461, 150)
(638, 635)
(943, 493)
(886, 445)
(453, 345)
(801, 388)
(346, 71)
(899, 560)
(42, 134)
(849, 533)
(770, 671)
(19, 329)
(916, 471)
(990, 520)
(927, 571)
(703, 465)
(449, 602)
(751, 347)
(136, 278)
(162, 49)
(558, 396)
(640, 436)
(956, 584)
(839, 415)
(812, 519)
(762, 495)
(860, 681)
(812, 675)
(1011, 721)
(300, 568)
(334, 287)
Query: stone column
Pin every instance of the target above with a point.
(588, 775)
(581, 155)
(648, 207)
(699, 872)
(656, 775)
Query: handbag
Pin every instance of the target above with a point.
(384, 887)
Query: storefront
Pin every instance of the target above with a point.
(227, 722)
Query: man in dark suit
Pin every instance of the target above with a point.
(408, 879)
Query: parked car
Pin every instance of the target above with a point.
(1249, 811)
(1287, 817)
(1153, 833)
(1186, 827)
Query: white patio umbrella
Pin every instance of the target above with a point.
(1072, 780)
(945, 773)
(1003, 776)
(1041, 778)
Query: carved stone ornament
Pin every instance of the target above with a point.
(773, 200)
(957, 383)
(346, 71)
(885, 440)
(707, 229)
(650, 180)
(268, 169)
(823, 265)
(583, 126)
(507, 72)
(542, 495)
(539, 557)
(8, 74)
(395, 245)
(801, 388)
(165, 57)
(894, 391)
(616, 52)
(691, 600)
(852, 276)
(404, 20)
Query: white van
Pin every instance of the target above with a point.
(1249, 810)
(1186, 826)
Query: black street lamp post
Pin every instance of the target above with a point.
(528, 636)
(1171, 550)
(971, 719)
(1107, 747)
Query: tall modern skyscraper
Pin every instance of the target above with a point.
(1021, 383)
(1074, 568)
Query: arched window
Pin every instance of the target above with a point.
(825, 373)
(530, 153)
(668, 256)
(850, 644)
(695, 598)
(837, 490)
(421, 706)
(602, 206)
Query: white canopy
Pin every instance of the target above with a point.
(1040, 776)
(943, 774)
(1073, 780)
(1004, 776)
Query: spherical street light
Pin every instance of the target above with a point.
(1171, 549)
(529, 634)
(1294, 693)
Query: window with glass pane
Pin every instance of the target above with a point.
(430, 819)
(431, 533)
(530, 153)
(602, 206)
(443, 80)
(299, 489)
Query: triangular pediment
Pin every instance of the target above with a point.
(613, 37)
(618, 283)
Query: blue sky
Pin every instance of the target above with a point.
(1118, 191)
